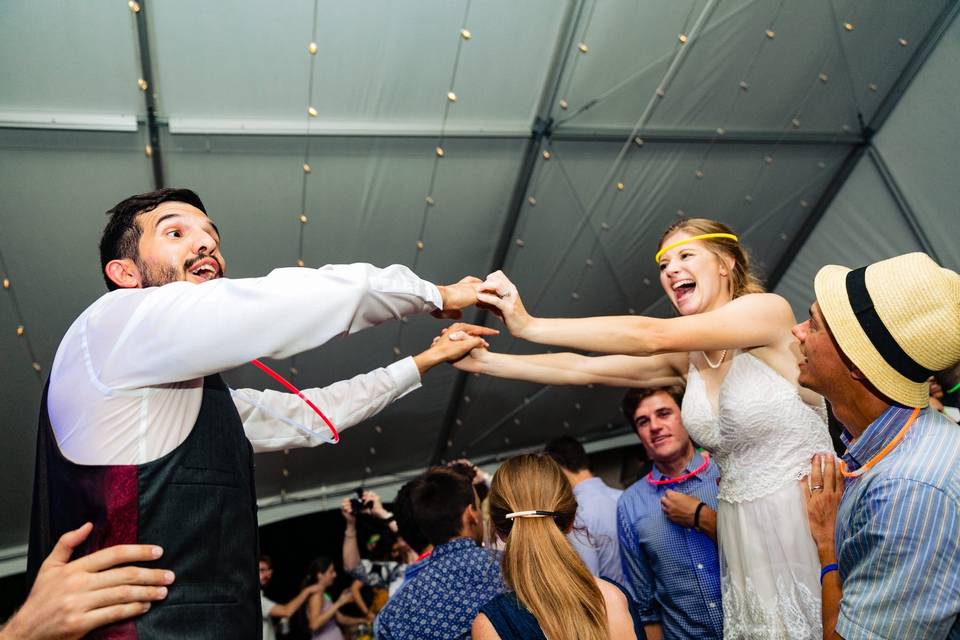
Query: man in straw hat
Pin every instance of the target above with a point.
(886, 518)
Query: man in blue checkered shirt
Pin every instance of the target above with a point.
(886, 517)
(442, 600)
(667, 524)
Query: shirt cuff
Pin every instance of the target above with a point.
(405, 375)
(433, 295)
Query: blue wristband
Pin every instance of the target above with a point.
(833, 566)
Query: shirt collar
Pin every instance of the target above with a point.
(875, 437)
(695, 462)
(454, 546)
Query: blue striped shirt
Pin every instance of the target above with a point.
(673, 572)
(898, 531)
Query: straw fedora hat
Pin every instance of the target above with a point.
(897, 320)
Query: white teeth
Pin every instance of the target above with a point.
(680, 283)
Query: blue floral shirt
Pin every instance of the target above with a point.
(441, 602)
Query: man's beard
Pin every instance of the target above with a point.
(156, 277)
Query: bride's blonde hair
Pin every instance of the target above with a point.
(742, 278)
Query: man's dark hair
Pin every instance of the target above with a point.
(121, 236)
(568, 453)
(438, 503)
(635, 396)
(407, 526)
(265, 558)
(470, 472)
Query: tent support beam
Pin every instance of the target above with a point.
(816, 214)
(909, 215)
(916, 62)
(940, 26)
(541, 129)
(146, 73)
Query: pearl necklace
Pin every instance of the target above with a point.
(723, 354)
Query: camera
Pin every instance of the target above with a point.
(358, 505)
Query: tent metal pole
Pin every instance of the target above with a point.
(903, 205)
(816, 214)
(916, 62)
(541, 129)
(940, 26)
(146, 73)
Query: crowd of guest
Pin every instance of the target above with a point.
(543, 549)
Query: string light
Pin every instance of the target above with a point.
(902, 42)
(307, 168)
(794, 121)
(848, 26)
(303, 218)
(451, 96)
(134, 6)
(20, 330)
(583, 47)
(682, 38)
(465, 34)
(312, 48)
(312, 112)
(546, 155)
(564, 105)
(142, 84)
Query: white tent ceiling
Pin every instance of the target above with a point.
(766, 108)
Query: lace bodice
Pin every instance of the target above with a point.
(764, 433)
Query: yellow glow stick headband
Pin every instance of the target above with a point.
(705, 236)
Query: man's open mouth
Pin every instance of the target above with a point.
(205, 269)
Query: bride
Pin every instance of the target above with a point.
(733, 346)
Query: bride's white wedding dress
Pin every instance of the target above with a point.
(762, 439)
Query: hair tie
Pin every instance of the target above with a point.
(535, 513)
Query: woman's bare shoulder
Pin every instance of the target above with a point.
(618, 611)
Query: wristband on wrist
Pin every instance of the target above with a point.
(833, 566)
(696, 516)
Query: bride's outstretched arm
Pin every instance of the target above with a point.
(576, 369)
(760, 319)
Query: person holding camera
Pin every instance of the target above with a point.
(386, 566)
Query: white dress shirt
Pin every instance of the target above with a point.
(127, 381)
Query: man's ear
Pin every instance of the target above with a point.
(856, 374)
(124, 273)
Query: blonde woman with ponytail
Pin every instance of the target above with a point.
(731, 344)
(552, 594)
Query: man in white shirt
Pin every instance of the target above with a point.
(137, 428)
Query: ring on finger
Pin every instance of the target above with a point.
(816, 487)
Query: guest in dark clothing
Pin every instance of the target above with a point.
(552, 593)
(441, 601)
